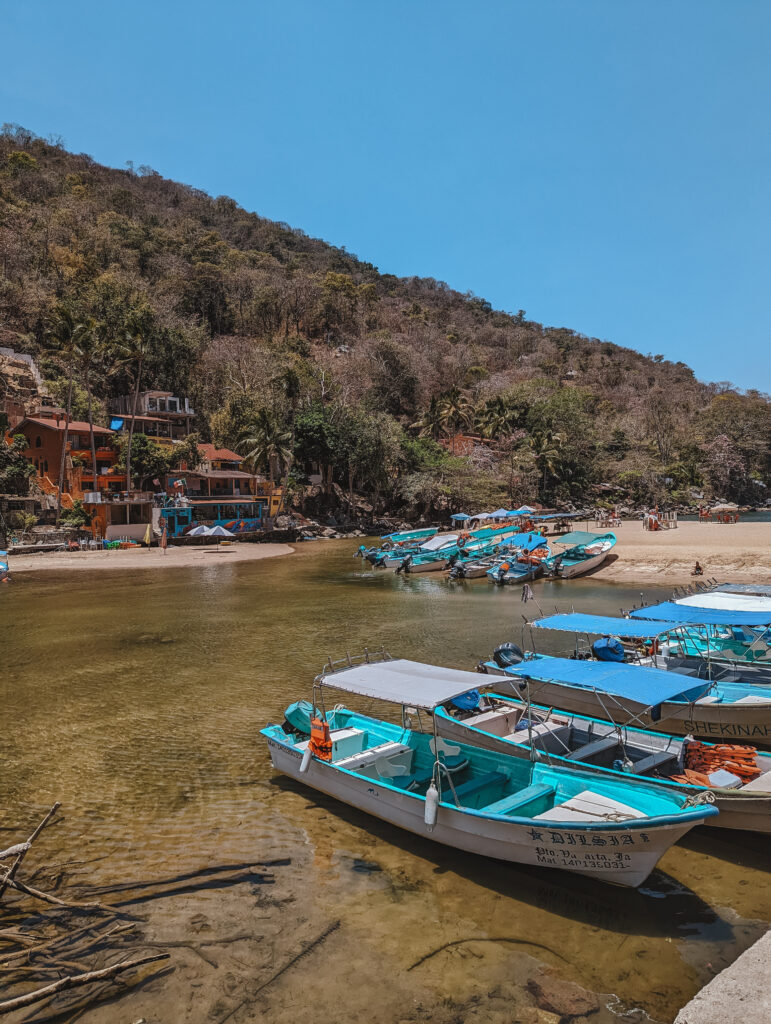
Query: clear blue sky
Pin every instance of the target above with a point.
(602, 164)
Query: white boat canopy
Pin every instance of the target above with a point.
(405, 682)
(727, 602)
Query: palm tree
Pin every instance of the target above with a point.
(494, 418)
(289, 382)
(545, 446)
(135, 350)
(62, 330)
(430, 423)
(86, 351)
(266, 442)
(455, 412)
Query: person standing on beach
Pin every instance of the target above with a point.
(164, 539)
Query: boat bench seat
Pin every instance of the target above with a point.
(516, 801)
(345, 742)
(590, 806)
(468, 790)
(587, 752)
(421, 779)
(542, 733)
(395, 753)
(654, 761)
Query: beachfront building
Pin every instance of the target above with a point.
(45, 438)
(159, 414)
(219, 492)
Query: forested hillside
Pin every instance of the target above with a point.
(296, 352)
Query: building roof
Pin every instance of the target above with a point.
(219, 474)
(213, 454)
(75, 427)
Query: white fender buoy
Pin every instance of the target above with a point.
(432, 807)
(306, 760)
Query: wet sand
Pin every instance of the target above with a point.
(152, 558)
(738, 553)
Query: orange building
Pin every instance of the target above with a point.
(45, 438)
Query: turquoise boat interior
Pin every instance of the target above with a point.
(481, 781)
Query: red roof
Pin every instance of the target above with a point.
(212, 454)
(75, 427)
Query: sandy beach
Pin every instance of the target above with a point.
(739, 553)
(144, 558)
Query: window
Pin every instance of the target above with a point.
(38, 441)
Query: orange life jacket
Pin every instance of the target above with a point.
(321, 741)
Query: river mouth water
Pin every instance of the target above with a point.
(136, 699)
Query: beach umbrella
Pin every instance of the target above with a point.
(218, 531)
(199, 531)
(460, 517)
(500, 513)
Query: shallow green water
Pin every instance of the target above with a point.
(136, 700)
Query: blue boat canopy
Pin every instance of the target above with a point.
(526, 541)
(647, 686)
(689, 614)
(460, 517)
(578, 537)
(605, 625)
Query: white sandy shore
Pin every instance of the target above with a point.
(144, 558)
(739, 553)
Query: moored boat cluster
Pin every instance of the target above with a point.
(594, 763)
(514, 548)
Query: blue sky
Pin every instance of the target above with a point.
(603, 165)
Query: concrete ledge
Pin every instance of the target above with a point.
(739, 993)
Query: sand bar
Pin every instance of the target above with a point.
(737, 553)
(144, 558)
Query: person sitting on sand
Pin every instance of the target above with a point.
(697, 570)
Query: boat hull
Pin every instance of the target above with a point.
(624, 855)
(435, 565)
(746, 810)
(749, 723)
(569, 572)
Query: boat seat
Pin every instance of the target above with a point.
(551, 736)
(516, 801)
(752, 699)
(587, 752)
(654, 761)
(762, 783)
(396, 754)
(709, 699)
(345, 742)
(590, 806)
(421, 779)
(469, 789)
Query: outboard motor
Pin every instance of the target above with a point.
(608, 648)
(405, 562)
(508, 654)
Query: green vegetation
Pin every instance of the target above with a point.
(15, 470)
(304, 358)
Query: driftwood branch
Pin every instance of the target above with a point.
(11, 872)
(74, 980)
(48, 898)
(13, 851)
